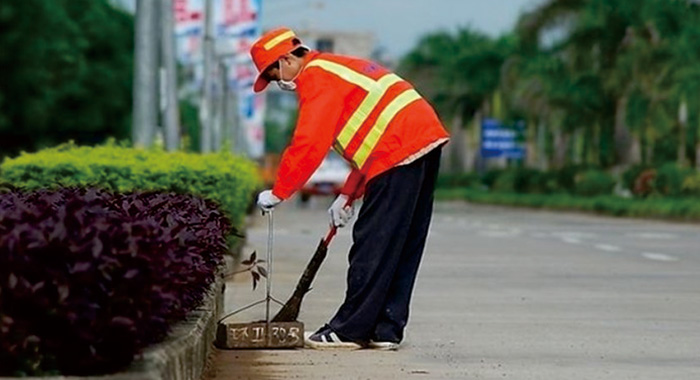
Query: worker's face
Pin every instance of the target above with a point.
(286, 68)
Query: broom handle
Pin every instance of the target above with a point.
(330, 235)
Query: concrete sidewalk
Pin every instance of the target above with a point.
(501, 294)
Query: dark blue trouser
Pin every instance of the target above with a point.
(388, 241)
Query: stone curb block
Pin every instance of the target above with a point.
(183, 354)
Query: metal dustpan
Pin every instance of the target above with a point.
(261, 334)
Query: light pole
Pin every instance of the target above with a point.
(171, 125)
(205, 105)
(145, 88)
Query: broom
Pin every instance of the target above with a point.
(290, 311)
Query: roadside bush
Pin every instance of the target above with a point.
(691, 185)
(525, 180)
(531, 181)
(678, 208)
(221, 177)
(522, 180)
(670, 178)
(505, 182)
(594, 182)
(644, 184)
(566, 176)
(88, 278)
(489, 178)
(630, 176)
(458, 180)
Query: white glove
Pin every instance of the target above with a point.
(339, 212)
(267, 201)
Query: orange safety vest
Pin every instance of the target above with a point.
(369, 115)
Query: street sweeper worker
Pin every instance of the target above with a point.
(392, 139)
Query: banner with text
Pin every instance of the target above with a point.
(236, 27)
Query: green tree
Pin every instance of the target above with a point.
(67, 67)
(459, 74)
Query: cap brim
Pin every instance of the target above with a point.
(260, 84)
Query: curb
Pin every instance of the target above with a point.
(183, 354)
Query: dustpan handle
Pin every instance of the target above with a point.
(268, 279)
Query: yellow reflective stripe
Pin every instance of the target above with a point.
(365, 108)
(277, 40)
(344, 73)
(339, 149)
(370, 141)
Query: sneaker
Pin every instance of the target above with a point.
(327, 339)
(383, 346)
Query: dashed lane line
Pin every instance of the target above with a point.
(608, 247)
(658, 256)
(571, 240)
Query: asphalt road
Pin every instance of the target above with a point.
(502, 293)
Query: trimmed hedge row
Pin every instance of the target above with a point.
(669, 180)
(227, 179)
(672, 208)
(88, 278)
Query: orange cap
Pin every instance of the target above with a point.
(268, 49)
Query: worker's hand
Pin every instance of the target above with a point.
(340, 212)
(267, 201)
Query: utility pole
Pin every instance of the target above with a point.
(205, 104)
(682, 123)
(171, 113)
(218, 106)
(145, 87)
(231, 117)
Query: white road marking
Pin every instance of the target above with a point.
(608, 247)
(658, 256)
(653, 235)
(571, 240)
(500, 233)
(575, 234)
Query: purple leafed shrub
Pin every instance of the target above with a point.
(88, 278)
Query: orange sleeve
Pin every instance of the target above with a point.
(354, 186)
(312, 139)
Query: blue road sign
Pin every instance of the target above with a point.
(499, 140)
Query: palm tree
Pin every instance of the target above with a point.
(458, 74)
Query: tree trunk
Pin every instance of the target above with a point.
(459, 147)
(682, 123)
(648, 145)
(542, 162)
(531, 144)
(579, 146)
(475, 142)
(561, 141)
(623, 136)
(635, 150)
(446, 158)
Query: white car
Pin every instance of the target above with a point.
(328, 179)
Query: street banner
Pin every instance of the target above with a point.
(236, 27)
(501, 140)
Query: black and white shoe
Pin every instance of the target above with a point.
(327, 339)
(383, 346)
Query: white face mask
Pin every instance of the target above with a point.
(286, 85)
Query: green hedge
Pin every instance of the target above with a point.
(594, 182)
(672, 208)
(224, 178)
